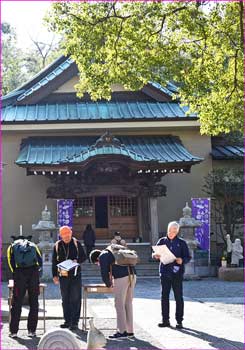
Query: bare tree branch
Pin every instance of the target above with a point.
(118, 38)
(235, 81)
(100, 20)
(43, 49)
(241, 23)
(178, 9)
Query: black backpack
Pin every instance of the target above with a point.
(25, 253)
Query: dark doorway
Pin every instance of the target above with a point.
(101, 212)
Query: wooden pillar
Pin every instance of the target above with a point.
(145, 219)
(139, 214)
(154, 220)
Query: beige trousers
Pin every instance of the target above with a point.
(123, 294)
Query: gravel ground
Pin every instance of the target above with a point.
(214, 317)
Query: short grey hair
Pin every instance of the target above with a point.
(173, 223)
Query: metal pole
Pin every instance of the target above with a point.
(209, 250)
(44, 311)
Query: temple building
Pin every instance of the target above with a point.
(129, 164)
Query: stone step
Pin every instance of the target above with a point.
(143, 249)
(146, 273)
(150, 269)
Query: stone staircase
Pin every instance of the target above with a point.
(146, 267)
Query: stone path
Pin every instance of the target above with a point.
(214, 313)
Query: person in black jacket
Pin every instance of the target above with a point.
(26, 278)
(70, 281)
(123, 283)
(89, 239)
(172, 274)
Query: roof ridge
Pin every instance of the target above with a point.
(166, 89)
(122, 146)
(45, 80)
(18, 90)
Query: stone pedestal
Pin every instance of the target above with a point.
(187, 233)
(45, 228)
(232, 274)
(46, 246)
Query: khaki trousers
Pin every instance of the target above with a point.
(123, 293)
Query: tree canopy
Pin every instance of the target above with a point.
(19, 65)
(12, 75)
(225, 187)
(197, 44)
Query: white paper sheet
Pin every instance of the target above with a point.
(67, 265)
(166, 256)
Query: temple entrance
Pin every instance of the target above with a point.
(106, 214)
(101, 212)
(114, 181)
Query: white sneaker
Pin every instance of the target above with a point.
(13, 335)
(32, 334)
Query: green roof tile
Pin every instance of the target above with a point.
(93, 111)
(62, 150)
(227, 152)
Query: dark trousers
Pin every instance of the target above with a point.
(176, 282)
(89, 249)
(71, 288)
(25, 280)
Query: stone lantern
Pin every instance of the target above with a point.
(187, 232)
(45, 228)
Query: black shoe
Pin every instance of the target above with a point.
(179, 325)
(73, 327)
(130, 335)
(164, 324)
(119, 335)
(65, 325)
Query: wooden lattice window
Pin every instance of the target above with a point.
(83, 207)
(122, 206)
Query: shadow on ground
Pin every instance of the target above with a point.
(216, 342)
(122, 343)
(29, 343)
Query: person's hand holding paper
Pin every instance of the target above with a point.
(67, 265)
(166, 256)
